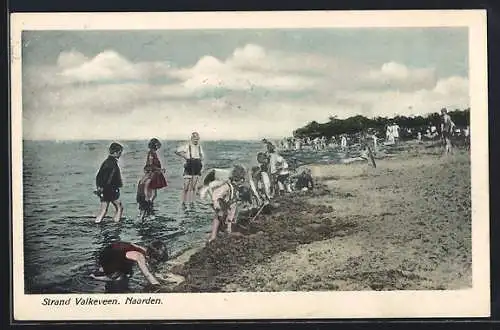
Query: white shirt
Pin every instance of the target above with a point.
(395, 130)
(196, 151)
(273, 162)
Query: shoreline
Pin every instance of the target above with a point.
(402, 225)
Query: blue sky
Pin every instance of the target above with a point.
(233, 84)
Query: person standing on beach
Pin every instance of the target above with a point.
(193, 154)
(343, 142)
(467, 137)
(374, 139)
(395, 132)
(157, 177)
(447, 127)
(109, 182)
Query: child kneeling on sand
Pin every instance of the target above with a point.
(225, 200)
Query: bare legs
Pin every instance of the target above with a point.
(189, 190)
(118, 210)
(102, 212)
(185, 191)
(104, 209)
(229, 218)
(447, 146)
(215, 228)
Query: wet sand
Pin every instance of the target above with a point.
(405, 224)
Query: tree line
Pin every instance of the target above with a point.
(356, 124)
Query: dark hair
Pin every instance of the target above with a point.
(115, 147)
(154, 143)
(157, 251)
(261, 157)
(238, 173)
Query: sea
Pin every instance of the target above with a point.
(61, 240)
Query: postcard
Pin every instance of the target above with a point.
(249, 165)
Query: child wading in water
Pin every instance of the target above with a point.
(224, 201)
(156, 176)
(192, 152)
(109, 182)
(144, 194)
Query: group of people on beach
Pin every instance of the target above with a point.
(226, 189)
(393, 135)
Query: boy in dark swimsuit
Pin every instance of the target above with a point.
(193, 155)
(109, 182)
(118, 258)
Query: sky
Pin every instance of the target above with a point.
(233, 84)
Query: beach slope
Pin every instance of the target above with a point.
(403, 225)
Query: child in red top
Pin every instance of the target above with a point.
(118, 258)
(157, 178)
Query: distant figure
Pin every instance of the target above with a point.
(304, 181)
(419, 137)
(144, 195)
(298, 144)
(193, 154)
(158, 180)
(118, 258)
(467, 138)
(447, 127)
(343, 142)
(374, 139)
(108, 183)
(224, 201)
(395, 132)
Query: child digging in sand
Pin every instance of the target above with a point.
(224, 201)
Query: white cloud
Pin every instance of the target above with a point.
(255, 92)
(398, 76)
(71, 59)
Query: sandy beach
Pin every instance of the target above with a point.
(405, 224)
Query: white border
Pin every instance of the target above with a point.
(462, 303)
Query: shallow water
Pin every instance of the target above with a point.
(61, 239)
